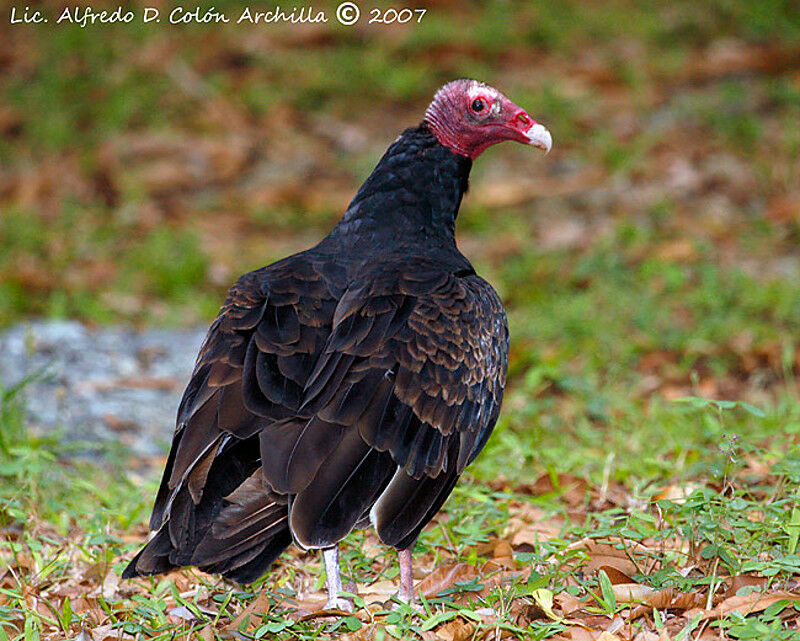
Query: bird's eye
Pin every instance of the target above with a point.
(477, 105)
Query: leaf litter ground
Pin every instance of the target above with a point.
(562, 558)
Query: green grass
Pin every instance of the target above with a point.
(66, 517)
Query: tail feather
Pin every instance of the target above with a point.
(243, 571)
(236, 528)
(261, 530)
(348, 483)
(407, 504)
(153, 558)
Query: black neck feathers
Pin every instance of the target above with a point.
(412, 196)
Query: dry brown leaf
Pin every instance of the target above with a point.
(615, 576)
(258, 605)
(181, 613)
(533, 533)
(486, 548)
(446, 576)
(568, 603)
(602, 554)
(578, 633)
(607, 636)
(632, 592)
(500, 563)
(495, 548)
(109, 633)
(747, 604)
(667, 599)
(503, 549)
(677, 493)
(743, 580)
(455, 630)
(379, 591)
(110, 585)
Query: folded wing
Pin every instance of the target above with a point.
(413, 372)
(317, 404)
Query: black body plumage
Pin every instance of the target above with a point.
(350, 382)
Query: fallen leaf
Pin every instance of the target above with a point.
(572, 488)
(568, 603)
(455, 630)
(615, 576)
(744, 580)
(379, 591)
(544, 599)
(110, 585)
(603, 554)
(528, 535)
(503, 549)
(666, 599)
(183, 613)
(259, 604)
(632, 592)
(677, 493)
(582, 634)
(446, 576)
(747, 604)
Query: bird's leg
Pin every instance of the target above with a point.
(334, 581)
(406, 591)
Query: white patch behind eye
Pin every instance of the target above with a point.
(487, 94)
(482, 91)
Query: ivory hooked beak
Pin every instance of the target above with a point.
(538, 136)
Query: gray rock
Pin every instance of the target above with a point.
(110, 385)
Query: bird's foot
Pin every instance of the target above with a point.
(406, 592)
(339, 603)
(334, 581)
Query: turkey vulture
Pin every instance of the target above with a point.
(350, 383)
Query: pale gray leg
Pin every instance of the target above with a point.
(334, 581)
(406, 592)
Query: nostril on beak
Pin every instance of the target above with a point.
(523, 119)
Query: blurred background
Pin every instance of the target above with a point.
(654, 254)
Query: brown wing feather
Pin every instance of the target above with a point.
(274, 320)
(413, 359)
(376, 402)
(248, 380)
(416, 364)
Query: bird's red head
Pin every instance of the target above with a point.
(467, 116)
